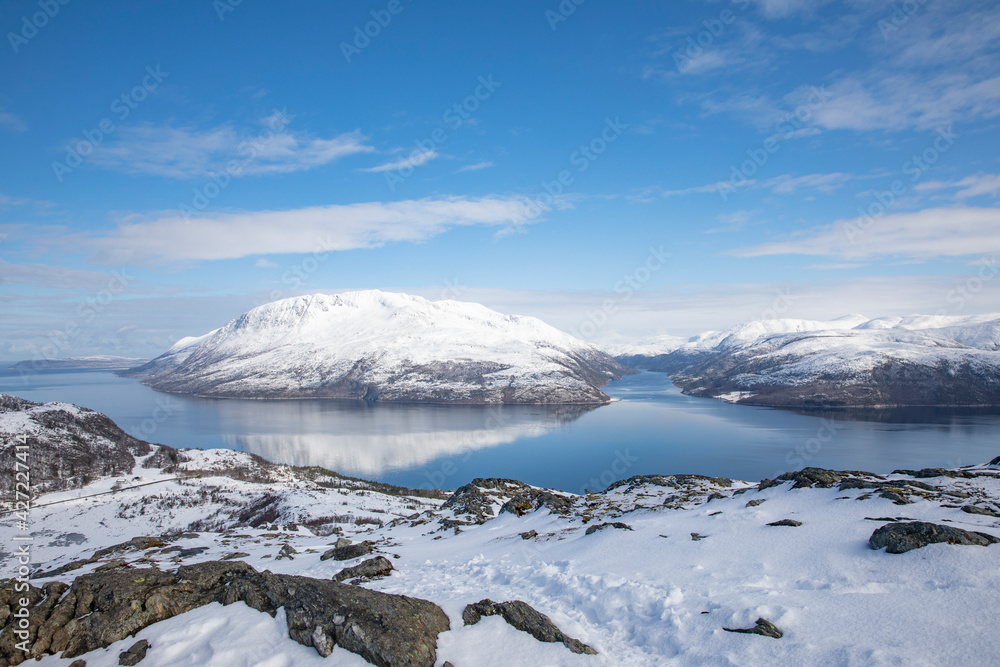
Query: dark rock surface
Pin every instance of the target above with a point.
(809, 477)
(348, 552)
(899, 538)
(369, 569)
(764, 627)
(135, 653)
(976, 509)
(786, 522)
(102, 608)
(526, 619)
(614, 524)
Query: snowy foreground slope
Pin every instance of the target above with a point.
(387, 347)
(852, 361)
(647, 572)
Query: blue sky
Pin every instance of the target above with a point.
(168, 165)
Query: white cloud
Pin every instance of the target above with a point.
(264, 263)
(12, 122)
(186, 152)
(305, 230)
(475, 167)
(930, 233)
(415, 159)
(970, 186)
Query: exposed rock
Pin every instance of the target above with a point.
(902, 537)
(342, 542)
(926, 473)
(102, 608)
(671, 481)
(369, 569)
(995, 462)
(473, 499)
(526, 619)
(527, 535)
(821, 477)
(786, 522)
(755, 502)
(764, 627)
(134, 654)
(348, 552)
(976, 509)
(287, 551)
(78, 663)
(615, 524)
(695, 537)
(235, 555)
(524, 503)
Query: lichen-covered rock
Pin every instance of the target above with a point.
(526, 619)
(899, 538)
(808, 477)
(102, 608)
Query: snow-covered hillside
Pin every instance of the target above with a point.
(650, 571)
(386, 347)
(851, 361)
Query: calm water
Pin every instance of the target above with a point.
(652, 429)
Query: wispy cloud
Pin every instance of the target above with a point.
(186, 152)
(11, 122)
(475, 167)
(931, 233)
(304, 230)
(970, 186)
(415, 159)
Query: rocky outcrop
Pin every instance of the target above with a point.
(899, 538)
(69, 446)
(526, 619)
(347, 552)
(105, 607)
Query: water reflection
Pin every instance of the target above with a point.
(372, 440)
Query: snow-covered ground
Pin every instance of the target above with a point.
(385, 346)
(651, 595)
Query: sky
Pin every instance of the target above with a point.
(621, 170)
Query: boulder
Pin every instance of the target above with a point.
(899, 538)
(134, 654)
(348, 552)
(526, 619)
(786, 522)
(369, 569)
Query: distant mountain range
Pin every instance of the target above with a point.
(385, 347)
(94, 363)
(848, 362)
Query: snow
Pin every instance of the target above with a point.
(374, 338)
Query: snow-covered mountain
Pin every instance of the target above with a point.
(388, 347)
(851, 361)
